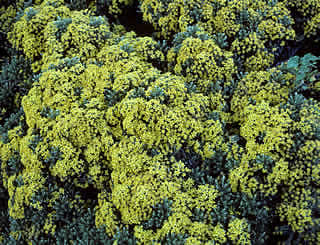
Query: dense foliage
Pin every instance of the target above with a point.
(205, 131)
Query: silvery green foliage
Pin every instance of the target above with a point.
(4, 197)
(212, 167)
(14, 165)
(138, 93)
(14, 120)
(76, 4)
(82, 230)
(124, 237)
(174, 239)
(15, 78)
(304, 69)
(192, 31)
(221, 40)
(112, 97)
(34, 142)
(159, 94)
(267, 162)
(62, 25)
(49, 112)
(96, 21)
(294, 104)
(160, 213)
(199, 215)
(191, 87)
(55, 155)
(73, 224)
(64, 63)
(127, 48)
(190, 159)
(257, 210)
(30, 13)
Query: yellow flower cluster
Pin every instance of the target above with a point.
(28, 33)
(272, 126)
(94, 138)
(256, 87)
(163, 15)
(115, 7)
(6, 17)
(202, 61)
(296, 211)
(238, 231)
(119, 123)
(310, 10)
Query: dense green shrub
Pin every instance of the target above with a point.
(191, 135)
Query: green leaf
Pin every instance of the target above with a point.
(161, 212)
(293, 62)
(309, 58)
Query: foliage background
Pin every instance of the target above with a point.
(159, 122)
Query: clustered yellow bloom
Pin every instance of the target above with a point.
(238, 232)
(104, 106)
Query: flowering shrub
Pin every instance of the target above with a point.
(108, 137)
